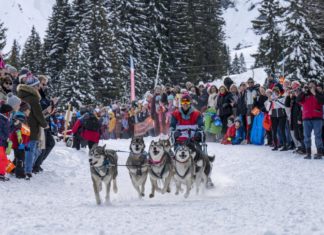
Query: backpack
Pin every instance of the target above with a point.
(91, 124)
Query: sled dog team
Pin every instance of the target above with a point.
(187, 165)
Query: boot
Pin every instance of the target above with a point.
(309, 153)
(4, 178)
(300, 150)
(275, 148)
(284, 148)
(28, 176)
(319, 154)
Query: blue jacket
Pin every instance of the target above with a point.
(239, 136)
(4, 130)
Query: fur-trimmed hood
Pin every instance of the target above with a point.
(25, 90)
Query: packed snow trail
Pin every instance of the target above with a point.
(257, 191)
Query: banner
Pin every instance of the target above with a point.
(132, 78)
(140, 129)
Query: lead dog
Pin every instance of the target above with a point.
(184, 167)
(137, 165)
(160, 167)
(103, 169)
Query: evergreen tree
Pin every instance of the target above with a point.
(303, 55)
(236, 65)
(56, 42)
(2, 36)
(242, 64)
(316, 16)
(99, 40)
(32, 52)
(14, 55)
(76, 83)
(271, 44)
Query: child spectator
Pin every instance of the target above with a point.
(5, 145)
(20, 138)
(112, 125)
(230, 133)
(239, 132)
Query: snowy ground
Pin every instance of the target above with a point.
(257, 192)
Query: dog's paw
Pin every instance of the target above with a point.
(108, 203)
(177, 193)
(151, 195)
(142, 195)
(168, 190)
(186, 195)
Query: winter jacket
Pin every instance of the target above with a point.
(112, 122)
(202, 101)
(89, 135)
(36, 118)
(17, 128)
(210, 126)
(259, 102)
(212, 100)
(241, 104)
(312, 105)
(276, 108)
(251, 92)
(296, 112)
(239, 136)
(192, 117)
(4, 130)
(230, 134)
(224, 106)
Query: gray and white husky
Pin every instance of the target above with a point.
(103, 169)
(161, 167)
(184, 168)
(137, 165)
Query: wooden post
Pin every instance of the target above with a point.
(67, 119)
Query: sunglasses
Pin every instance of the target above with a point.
(185, 102)
(8, 83)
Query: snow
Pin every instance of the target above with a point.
(20, 15)
(257, 192)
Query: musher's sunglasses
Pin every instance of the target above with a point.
(185, 102)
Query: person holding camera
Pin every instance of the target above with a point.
(311, 99)
(48, 107)
(295, 119)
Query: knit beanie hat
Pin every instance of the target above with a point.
(11, 69)
(5, 108)
(32, 81)
(13, 100)
(23, 75)
(24, 106)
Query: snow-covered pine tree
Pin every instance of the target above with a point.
(236, 65)
(316, 16)
(56, 42)
(2, 36)
(304, 58)
(181, 34)
(76, 83)
(158, 20)
(268, 25)
(32, 53)
(242, 63)
(100, 40)
(14, 55)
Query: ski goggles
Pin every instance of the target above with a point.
(185, 102)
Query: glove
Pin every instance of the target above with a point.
(19, 136)
(229, 139)
(21, 147)
(8, 149)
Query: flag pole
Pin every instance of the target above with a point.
(132, 78)
(157, 72)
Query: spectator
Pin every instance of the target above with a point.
(224, 107)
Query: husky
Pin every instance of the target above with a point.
(161, 167)
(184, 167)
(103, 169)
(137, 165)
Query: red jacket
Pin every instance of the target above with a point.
(312, 109)
(14, 139)
(230, 133)
(92, 136)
